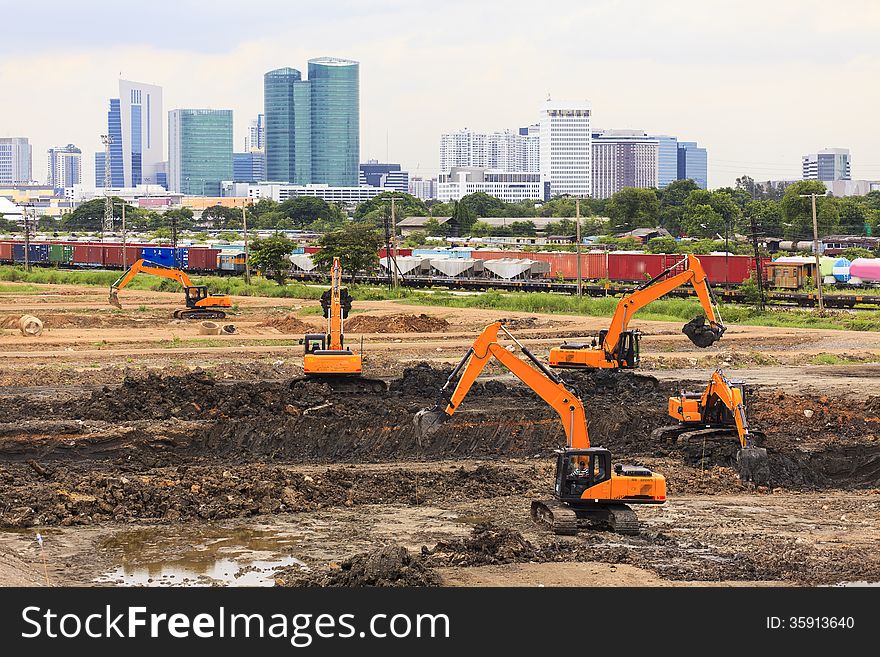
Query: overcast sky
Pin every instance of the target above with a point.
(758, 83)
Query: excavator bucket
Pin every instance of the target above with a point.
(114, 298)
(702, 334)
(753, 465)
(428, 420)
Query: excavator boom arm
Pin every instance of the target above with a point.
(147, 267)
(630, 304)
(731, 396)
(334, 319)
(542, 381)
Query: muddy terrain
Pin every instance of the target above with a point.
(146, 455)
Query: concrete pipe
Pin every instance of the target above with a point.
(30, 326)
(209, 328)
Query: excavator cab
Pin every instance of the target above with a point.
(627, 351)
(195, 294)
(580, 469)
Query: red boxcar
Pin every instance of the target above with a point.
(733, 269)
(202, 258)
(88, 254)
(383, 252)
(6, 251)
(311, 249)
(635, 267)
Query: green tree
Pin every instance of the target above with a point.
(523, 228)
(183, 216)
(767, 215)
(438, 209)
(270, 256)
(631, 208)
(221, 217)
(48, 224)
(696, 220)
(701, 220)
(561, 227)
(481, 204)
(797, 213)
(90, 215)
(522, 209)
(435, 229)
(855, 214)
(480, 229)
(662, 245)
(303, 210)
(405, 205)
(8, 226)
(355, 244)
(856, 252)
(672, 200)
(464, 216)
(415, 239)
(564, 206)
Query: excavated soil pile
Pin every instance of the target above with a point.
(51, 494)
(289, 324)
(401, 323)
(386, 566)
(487, 545)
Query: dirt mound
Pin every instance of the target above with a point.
(421, 379)
(289, 324)
(487, 545)
(70, 320)
(401, 323)
(386, 566)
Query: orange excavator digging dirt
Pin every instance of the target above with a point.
(589, 491)
(617, 347)
(199, 304)
(719, 411)
(326, 357)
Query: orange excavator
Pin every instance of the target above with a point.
(199, 304)
(589, 492)
(326, 356)
(617, 347)
(718, 411)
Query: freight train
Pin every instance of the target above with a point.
(724, 270)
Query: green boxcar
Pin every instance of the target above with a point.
(61, 254)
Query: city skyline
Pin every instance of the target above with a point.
(747, 113)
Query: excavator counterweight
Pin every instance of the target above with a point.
(589, 491)
(617, 347)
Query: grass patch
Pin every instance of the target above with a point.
(834, 359)
(20, 289)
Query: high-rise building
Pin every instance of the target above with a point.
(389, 176)
(249, 167)
(529, 149)
(256, 138)
(693, 163)
(423, 188)
(623, 158)
(667, 159)
(142, 120)
(828, 165)
(65, 167)
(566, 147)
(15, 161)
(499, 151)
(288, 131)
(335, 121)
(199, 150)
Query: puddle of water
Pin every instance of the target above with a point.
(198, 555)
(229, 572)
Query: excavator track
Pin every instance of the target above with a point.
(555, 516)
(619, 518)
(199, 314)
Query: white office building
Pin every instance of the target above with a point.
(280, 192)
(829, 164)
(142, 123)
(256, 137)
(423, 188)
(623, 158)
(65, 167)
(566, 147)
(15, 161)
(498, 151)
(509, 186)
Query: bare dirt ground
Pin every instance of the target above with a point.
(145, 453)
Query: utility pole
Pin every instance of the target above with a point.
(812, 196)
(758, 269)
(174, 238)
(396, 277)
(108, 202)
(385, 222)
(247, 260)
(27, 238)
(124, 254)
(577, 214)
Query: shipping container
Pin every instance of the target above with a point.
(161, 255)
(311, 249)
(203, 259)
(39, 253)
(5, 251)
(18, 252)
(383, 252)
